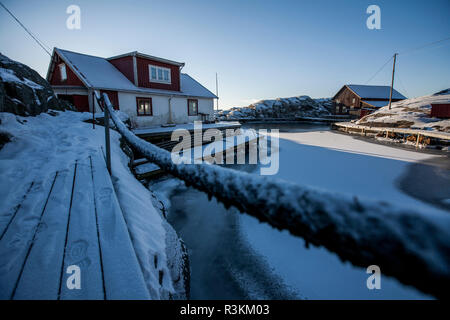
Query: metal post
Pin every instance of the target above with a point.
(217, 92)
(93, 110)
(107, 142)
(392, 83)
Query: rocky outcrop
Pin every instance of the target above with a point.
(301, 106)
(24, 92)
(443, 92)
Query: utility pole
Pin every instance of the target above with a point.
(392, 83)
(107, 140)
(217, 93)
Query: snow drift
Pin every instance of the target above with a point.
(410, 113)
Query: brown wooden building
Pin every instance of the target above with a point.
(352, 98)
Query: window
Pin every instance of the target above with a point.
(62, 72)
(192, 107)
(159, 74)
(144, 106)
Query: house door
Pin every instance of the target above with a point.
(80, 102)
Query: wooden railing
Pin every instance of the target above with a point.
(412, 246)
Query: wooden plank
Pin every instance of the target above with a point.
(81, 244)
(8, 216)
(150, 174)
(122, 273)
(426, 133)
(138, 162)
(16, 242)
(42, 270)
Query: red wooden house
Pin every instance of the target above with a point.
(149, 89)
(440, 110)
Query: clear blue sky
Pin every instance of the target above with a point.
(260, 49)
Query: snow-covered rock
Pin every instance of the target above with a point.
(301, 106)
(410, 113)
(24, 92)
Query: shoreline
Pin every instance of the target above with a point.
(372, 133)
(394, 144)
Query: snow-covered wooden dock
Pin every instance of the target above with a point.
(70, 220)
(153, 133)
(367, 131)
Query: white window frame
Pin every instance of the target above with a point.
(150, 66)
(62, 71)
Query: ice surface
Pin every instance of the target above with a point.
(328, 160)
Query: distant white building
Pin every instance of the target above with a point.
(151, 90)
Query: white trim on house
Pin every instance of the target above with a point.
(62, 71)
(156, 76)
(135, 72)
(147, 56)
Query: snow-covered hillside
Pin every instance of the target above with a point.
(410, 113)
(301, 106)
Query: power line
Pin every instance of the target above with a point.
(402, 84)
(39, 42)
(424, 46)
(384, 65)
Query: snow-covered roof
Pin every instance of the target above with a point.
(189, 84)
(99, 73)
(96, 72)
(377, 103)
(143, 55)
(375, 92)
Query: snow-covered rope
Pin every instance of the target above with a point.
(412, 246)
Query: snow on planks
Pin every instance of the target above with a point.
(122, 273)
(17, 239)
(82, 247)
(42, 269)
(72, 218)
